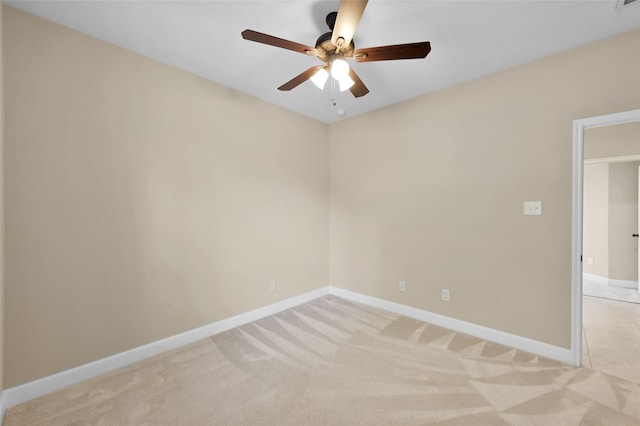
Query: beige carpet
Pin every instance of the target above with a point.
(334, 362)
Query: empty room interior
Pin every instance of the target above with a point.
(186, 240)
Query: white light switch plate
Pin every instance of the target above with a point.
(533, 208)
(445, 295)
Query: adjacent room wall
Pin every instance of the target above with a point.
(612, 141)
(610, 218)
(431, 191)
(623, 220)
(142, 201)
(596, 219)
(611, 201)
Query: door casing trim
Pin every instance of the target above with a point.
(579, 126)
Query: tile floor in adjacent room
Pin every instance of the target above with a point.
(611, 337)
(599, 289)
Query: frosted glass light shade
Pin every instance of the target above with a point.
(345, 83)
(339, 69)
(320, 78)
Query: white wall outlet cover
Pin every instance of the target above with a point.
(533, 208)
(402, 286)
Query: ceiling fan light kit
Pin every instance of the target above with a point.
(339, 68)
(335, 47)
(345, 83)
(340, 72)
(320, 78)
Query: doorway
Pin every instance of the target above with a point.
(577, 332)
(610, 212)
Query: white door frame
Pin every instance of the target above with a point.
(579, 127)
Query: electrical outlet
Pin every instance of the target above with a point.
(590, 261)
(272, 285)
(445, 295)
(402, 286)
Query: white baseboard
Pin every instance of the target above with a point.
(624, 283)
(533, 346)
(31, 390)
(63, 379)
(595, 278)
(610, 281)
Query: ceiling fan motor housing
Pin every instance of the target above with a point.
(325, 47)
(331, 20)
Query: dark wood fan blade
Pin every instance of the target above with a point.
(275, 41)
(391, 53)
(299, 79)
(358, 89)
(349, 15)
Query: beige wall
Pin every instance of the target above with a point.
(430, 190)
(612, 141)
(143, 201)
(623, 221)
(596, 219)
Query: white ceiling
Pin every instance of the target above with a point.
(468, 39)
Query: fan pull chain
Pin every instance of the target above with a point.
(333, 92)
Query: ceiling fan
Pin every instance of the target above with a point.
(335, 46)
